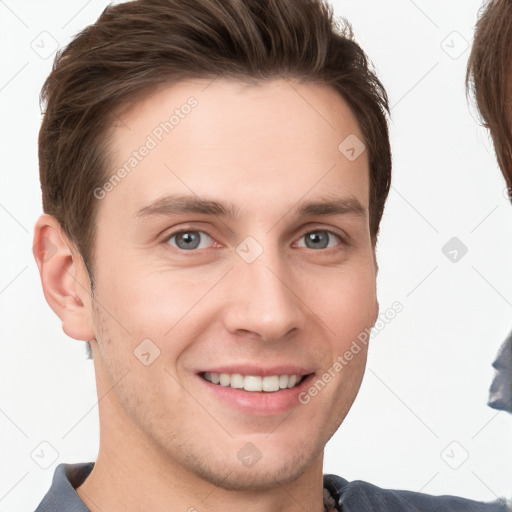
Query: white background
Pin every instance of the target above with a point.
(429, 370)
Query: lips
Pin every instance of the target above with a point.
(256, 390)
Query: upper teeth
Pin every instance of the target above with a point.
(253, 382)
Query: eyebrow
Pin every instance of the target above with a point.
(182, 204)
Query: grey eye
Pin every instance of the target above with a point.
(189, 240)
(319, 239)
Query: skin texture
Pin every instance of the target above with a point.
(167, 442)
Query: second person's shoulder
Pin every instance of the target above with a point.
(360, 496)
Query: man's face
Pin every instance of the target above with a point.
(268, 289)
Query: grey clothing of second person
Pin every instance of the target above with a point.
(500, 394)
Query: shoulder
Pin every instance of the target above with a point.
(359, 496)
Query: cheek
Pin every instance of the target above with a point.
(349, 303)
(150, 301)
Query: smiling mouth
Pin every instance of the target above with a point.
(254, 383)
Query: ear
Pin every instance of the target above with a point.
(65, 281)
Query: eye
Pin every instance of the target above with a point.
(320, 239)
(189, 240)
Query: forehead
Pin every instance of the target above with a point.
(275, 141)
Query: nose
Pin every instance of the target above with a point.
(263, 301)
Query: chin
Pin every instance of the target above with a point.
(261, 475)
(254, 479)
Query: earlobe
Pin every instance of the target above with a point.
(66, 286)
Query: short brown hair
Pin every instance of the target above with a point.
(489, 77)
(136, 46)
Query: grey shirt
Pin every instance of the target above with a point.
(346, 496)
(500, 394)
